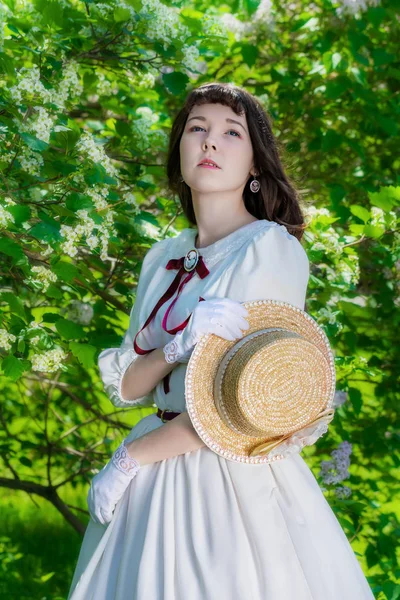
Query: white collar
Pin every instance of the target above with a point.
(215, 252)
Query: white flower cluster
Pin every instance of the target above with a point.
(35, 340)
(6, 338)
(5, 13)
(145, 80)
(130, 199)
(70, 86)
(122, 4)
(163, 22)
(354, 7)
(216, 25)
(384, 219)
(95, 234)
(104, 87)
(28, 83)
(40, 124)
(261, 19)
(346, 269)
(47, 251)
(5, 217)
(145, 137)
(107, 10)
(87, 145)
(191, 58)
(102, 8)
(30, 161)
(48, 362)
(43, 276)
(80, 312)
(326, 314)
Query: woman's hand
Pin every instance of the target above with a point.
(109, 485)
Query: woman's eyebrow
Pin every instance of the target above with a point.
(228, 120)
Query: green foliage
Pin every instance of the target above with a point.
(87, 95)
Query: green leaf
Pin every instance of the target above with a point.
(175, 82)
(355, 399)
(7, 65)
(34, 143)
(51, 12)
(14, 367)
(14, 303)
(46, 232)
(251, 6)
(53, 292)
(250, 54)
(374, 231)
(77, 201)
(46, 577)
(121, 14)
(331, 140)
(381, 57)
(51, 317)
(386, 198)
(65, 271)
(85, 353)
(20, 212)
(70, 330)
(360, 212)
(24, 460)
(14, 250)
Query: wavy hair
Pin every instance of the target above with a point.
(277, 200)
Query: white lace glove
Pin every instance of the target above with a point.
(222, 316)
(109, 485)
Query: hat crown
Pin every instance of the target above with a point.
(269, 383)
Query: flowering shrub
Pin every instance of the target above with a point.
(87, 93)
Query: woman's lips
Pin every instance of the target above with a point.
(208, 167)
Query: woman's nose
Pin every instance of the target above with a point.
(207, 143)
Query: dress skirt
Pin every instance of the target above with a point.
(200, 527)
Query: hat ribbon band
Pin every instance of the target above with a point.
(264, 448)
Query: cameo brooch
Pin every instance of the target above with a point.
(191, 259)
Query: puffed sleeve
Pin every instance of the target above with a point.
(274, 266)
(113, 362)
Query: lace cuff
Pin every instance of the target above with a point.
(125, 463)
(304, 437)
(171, 352)
(174, 352)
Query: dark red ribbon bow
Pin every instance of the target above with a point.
(177, 284)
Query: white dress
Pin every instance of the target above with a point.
(198, 526)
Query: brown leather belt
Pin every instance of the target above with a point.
(166, 415)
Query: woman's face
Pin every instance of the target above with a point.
(208, 134)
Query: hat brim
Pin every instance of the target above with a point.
(203, 366)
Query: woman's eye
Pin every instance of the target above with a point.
(198, 127)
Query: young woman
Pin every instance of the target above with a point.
(171, 519)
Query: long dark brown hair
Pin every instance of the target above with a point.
(277, 200)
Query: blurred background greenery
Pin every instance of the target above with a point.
(88, 91)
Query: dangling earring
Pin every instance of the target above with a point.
(255, 185)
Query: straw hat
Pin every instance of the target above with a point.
(259, 398)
